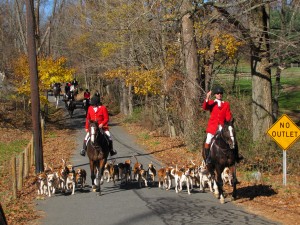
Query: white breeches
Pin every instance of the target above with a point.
(87, 136)
(210, 136)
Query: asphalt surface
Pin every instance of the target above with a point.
(128, 204)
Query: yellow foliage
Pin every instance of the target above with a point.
(143, 81)
(107, 48)
(49, 71)
(224, 43)
(227, 43)
(172, 54)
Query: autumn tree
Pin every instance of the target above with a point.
(49, 70)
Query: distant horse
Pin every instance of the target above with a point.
(222, 151)
(56, 92)
(70, 105)
(97, 151)
(86, 104)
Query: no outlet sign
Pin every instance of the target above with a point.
(284, 132)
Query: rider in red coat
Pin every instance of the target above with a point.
(99, 113)
(219, 113)
(86, 94)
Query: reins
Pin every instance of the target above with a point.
(96, 145)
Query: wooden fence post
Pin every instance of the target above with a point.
(31, 152)
(14, 178)
(21, 169)
(26, 162)
(43, 130)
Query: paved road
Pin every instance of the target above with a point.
(131, 205)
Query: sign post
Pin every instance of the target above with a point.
(285, 133)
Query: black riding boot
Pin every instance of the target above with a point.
(83, 150)
(111, 149)
(207, 156)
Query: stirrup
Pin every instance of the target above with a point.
(82, 152)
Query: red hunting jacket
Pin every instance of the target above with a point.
(218, 115)
(86, 95)
(101, 115)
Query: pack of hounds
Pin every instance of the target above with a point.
(66, 179)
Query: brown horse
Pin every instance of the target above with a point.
(223, 153)
(97, 151)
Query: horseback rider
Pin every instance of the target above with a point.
(97, 93)
(86, 99)
(74, 82)
(99, 113)
(67, 89)
(87, 94)
(219, 113)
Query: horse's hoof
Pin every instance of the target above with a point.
(222, 201)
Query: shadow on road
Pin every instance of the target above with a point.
(251, 192)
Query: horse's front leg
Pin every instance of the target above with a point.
(220, 185)
(234, 182)
(101, 170)
(97, 181)
(93, 176)
(100, 174)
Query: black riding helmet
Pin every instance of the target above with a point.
(217, 90)
(95, 101)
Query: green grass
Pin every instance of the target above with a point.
(289, 98)
(10, 149)
(290, 101)
(51, 134)
(144, 136)
(135, 117)
(155, 143)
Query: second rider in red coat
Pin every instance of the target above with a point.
(219, 113)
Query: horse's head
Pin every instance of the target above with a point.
(96, 133)
(228, 133)
(93, 130)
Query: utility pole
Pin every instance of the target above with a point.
(35, 98)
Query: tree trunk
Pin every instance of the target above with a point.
(208, 67)
(260, 71)
(164, 99)
(130, 100)
(123, 98)
(191, 72)
(281, 65)
(21, 31)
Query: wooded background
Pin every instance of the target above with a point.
(160, 57)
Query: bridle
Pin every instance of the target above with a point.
(231, 135)
(95, 132)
